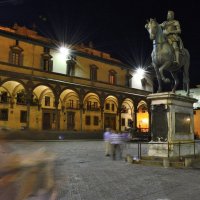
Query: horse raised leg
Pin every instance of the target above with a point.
(164, 67)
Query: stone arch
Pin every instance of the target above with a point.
(14, 80)
(91, 100)
(69, 99)
(142, 116)
(111, 117)
(113, 99)
(13, 87)
(40, 90)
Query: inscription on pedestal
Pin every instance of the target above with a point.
(182, 123)
(159, 122)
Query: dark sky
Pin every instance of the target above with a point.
(114, 26)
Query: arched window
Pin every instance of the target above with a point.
(71, 66)
(15, 54)
(93, 72)
(112, 77)
(46, 62)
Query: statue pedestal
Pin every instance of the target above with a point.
(172, 123)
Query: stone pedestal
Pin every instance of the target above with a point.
(172, 122)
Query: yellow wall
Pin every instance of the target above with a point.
(5, 44)
(197, 123)
(32, 54)
(83, 70)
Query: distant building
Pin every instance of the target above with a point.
(42, 88)
(195, 93)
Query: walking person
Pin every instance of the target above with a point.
(106, 137)
(116, 141)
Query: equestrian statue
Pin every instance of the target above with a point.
(168, 51)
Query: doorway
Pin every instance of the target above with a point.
(110, 121)
(46, 121)
(70, 120)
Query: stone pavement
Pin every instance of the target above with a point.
(82, 172)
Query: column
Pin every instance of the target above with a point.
(102, 120)
(56, 115)
(81, 116)
(120, 117)
(28, 103)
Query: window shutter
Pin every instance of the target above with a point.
(50, 65)
(10, 57)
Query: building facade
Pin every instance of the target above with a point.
(43, 88)
(195, 93)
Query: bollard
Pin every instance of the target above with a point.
(129, 159)
(166, 162)
(188, 162)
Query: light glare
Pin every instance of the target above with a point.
(140, 72)
(64, 51)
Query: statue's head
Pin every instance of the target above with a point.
(170, 15)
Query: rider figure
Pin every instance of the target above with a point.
(171, 28)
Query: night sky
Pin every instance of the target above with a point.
(114, 26)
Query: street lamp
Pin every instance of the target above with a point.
(140, 72)
(64, 51)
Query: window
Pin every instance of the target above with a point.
(113, 107)
(123, 122)
(15, 58)
(71, 103)
(23, 116)
(21, 98)
(46, 62)
(4, 97)
(112, 77)
(71, 67)
(87, 120)
(107, 106)
(4, 114)
(47, 101)
(96, 120)
(128, 80)
(89, 105)
(95, 105)
(15, 55)
(93, 72)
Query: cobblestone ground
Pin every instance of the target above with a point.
(82, 172)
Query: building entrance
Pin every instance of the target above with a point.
(110, 121)
(46, 121)
(70, 120)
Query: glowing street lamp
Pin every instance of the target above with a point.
(64, 51)
(140, 72)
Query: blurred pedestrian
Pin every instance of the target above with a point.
(106, 137)
(116, 140)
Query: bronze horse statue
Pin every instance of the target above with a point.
(163, 56)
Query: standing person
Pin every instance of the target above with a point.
(106, 137)
(116, 141)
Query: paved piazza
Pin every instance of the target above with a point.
(82, 172)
